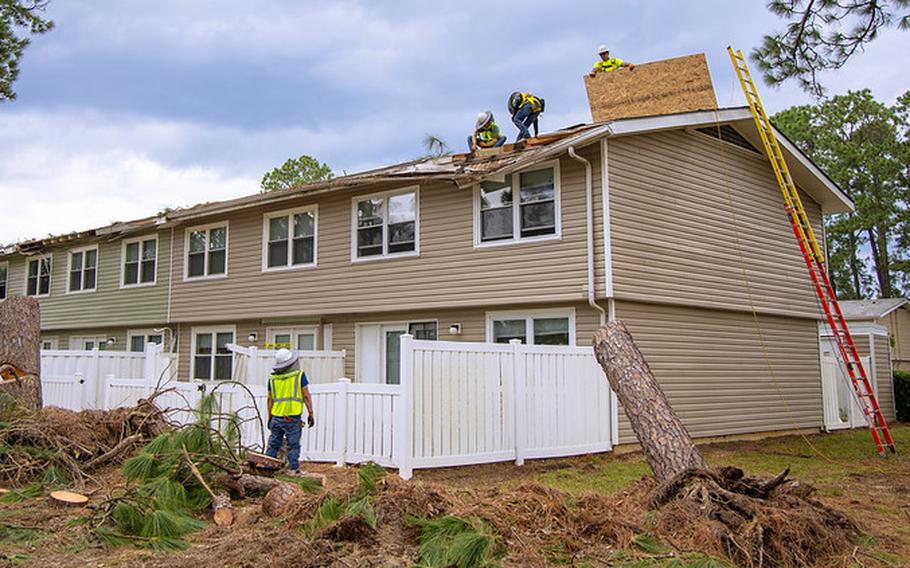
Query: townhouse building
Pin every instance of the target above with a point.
(673, 224)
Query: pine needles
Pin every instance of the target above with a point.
(454, 541)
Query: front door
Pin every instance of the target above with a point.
(379, 353)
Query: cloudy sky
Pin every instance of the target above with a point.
(126, 107)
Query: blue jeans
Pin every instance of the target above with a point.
(499, 142)
(281, 428)
(524, 118)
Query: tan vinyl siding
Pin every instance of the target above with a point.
(711, 366)
(449, 272)
(673, 237)
(898, 323)
(109, 305)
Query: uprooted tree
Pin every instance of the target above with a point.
(20, 355)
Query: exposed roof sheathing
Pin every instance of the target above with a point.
(681, 84)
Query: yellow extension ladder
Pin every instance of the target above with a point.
(815, 262)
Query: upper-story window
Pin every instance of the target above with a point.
(289, 239)
(523, 206)
(83, 270)
(38, 277)
(386, 225)
(4, 276)
(206, 251)
(140, 260)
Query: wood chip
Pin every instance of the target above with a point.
(68, 498)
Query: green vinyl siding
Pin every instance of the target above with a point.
(109, 305)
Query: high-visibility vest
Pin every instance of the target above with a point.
(525, 98)
(608, 64)
(487, 136)
(287, 398)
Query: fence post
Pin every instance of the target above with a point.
(107, 393)
(92, 377)
(150, 368)
(80, 389)
(252, 366)
(341, 421)
(519, 400)
(404, 422)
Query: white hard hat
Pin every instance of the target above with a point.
(483, 119)
(284, 358)
(602, 49)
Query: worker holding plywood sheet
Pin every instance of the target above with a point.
(681, 84)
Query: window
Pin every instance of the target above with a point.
(48, 343)
(137, 339)
(299, 338)
(423, 330)
(385, 225)
(535, 214)
(4, 275)
(83, 270)
(212, 360)
(87, 343)
(289, 239)
(38, 278)
(206, 251)
(545, 327)
(140, 259)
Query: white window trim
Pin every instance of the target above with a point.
(53, 341)
(289, 213)
(77, 341)
(516, 210)
(69, 268)
(186, 251)
(293, 331)
(144, 333)
(194, 331)
(5, 264)
(140, 240)
(50, 272)
(415, 189)
(529, 316)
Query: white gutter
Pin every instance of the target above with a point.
(589, 215)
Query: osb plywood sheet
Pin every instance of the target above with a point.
(681, 84)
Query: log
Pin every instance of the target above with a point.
(245, 483)
(278, 499)
(20, 347)
(222, 509)
(68, 498)
(668, 448)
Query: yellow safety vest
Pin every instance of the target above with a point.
(287, 398)
(488, 136)
(536, 105)
(610, 64)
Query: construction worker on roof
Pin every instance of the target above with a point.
(486, 133)
(608, 63)
(288, 393)
(525, 109)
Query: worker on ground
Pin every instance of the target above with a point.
(486, 133)
(526, 109)
(288, 393)
(608, 63)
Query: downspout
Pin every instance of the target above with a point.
(589, 215)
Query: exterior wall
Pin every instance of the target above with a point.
(120, 334)
(898, 324)
(109, 305)
(473, 322)
(711, 366)
(672, 232)
(448, 273)
(881, 369)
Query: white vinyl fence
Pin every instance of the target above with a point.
(458, 403)
(252, 365)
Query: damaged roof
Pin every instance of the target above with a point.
(465, 170)
(871, 309)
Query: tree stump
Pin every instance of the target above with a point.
(668, 447)
(20, 346)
